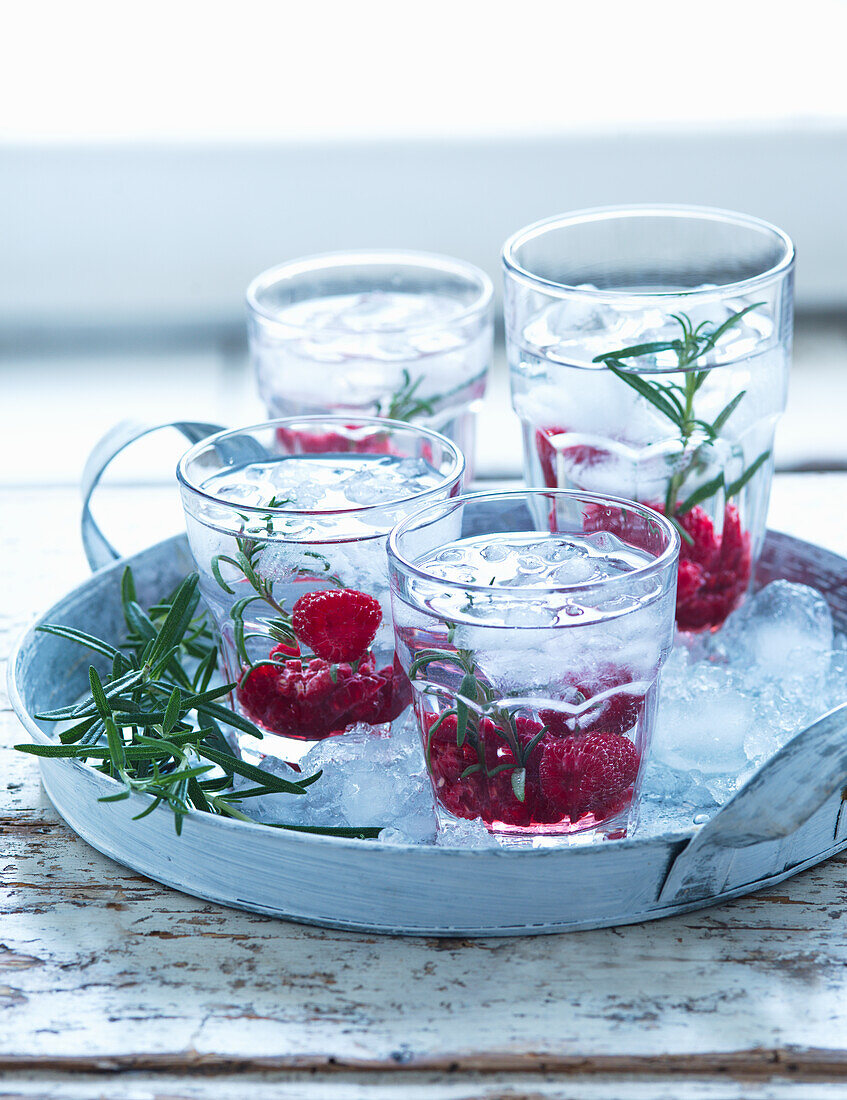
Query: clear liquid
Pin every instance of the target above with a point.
(324, 484)
(291, 556)
(525, 560)
(376, 354)
(579, 660)
(585, 428)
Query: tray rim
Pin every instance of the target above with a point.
(39, 736)
(377, 888)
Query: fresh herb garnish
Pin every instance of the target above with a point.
(247, 561)
(676, 402)
(404, 404)
(153, 722)
(475, 699)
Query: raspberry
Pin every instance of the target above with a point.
(689, 580)
(463, 797)
(313, 699)
(299, 441)
(491, 797)
(580, 454)
(703, 601)
(615, 714)
(588, 774)
(339, 624)
(503, 804)
(704, 543)
(714, 572)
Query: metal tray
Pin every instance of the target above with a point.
(788, 817)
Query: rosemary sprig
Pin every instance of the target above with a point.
(676, 402)
(404, 404)
(153, 723)
(247, 561)
(472, 697)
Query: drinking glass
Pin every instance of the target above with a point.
(533, 625)
(290, 544)
(402, 335)
(649, 350)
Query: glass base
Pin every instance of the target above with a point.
(291, 750)
(541, 836)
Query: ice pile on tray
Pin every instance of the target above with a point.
(729, 701)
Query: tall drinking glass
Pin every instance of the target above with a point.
(396, 334)
(649, 350)
(532, 626)
(290, 545)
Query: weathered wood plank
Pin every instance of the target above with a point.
(412, 1086)
(99, 962)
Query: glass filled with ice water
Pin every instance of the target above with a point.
(649, 351)
(290, 545)
(532, 626)
(401, 335)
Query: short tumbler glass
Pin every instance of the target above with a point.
(269, 522)
(533, 625)
(649, 350)
(402, 335)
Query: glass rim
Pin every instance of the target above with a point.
(338, 260)
(537, 229)
(659, 563)
(455, 473)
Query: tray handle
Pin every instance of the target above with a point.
(780, 798)
(98, 550)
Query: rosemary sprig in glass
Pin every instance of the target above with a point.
(471, 693)
(676, 402)
(153, 722)
(404, 404)
(247, 561)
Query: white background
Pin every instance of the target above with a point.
(270, 70)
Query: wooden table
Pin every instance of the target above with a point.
(113, 986)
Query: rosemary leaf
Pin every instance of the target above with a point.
(650, 392)
(727, 411)
(735, 488)
(703, 493)
(79, 636)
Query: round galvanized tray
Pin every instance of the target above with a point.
(788, 817)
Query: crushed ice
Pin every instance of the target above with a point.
(729, 701)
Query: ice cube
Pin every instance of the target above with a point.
(575, 569)
(367, 780)
(461, 833)
(703, 720)
(494, 553)
(784, 630)
(530, 563)
(705, 732)
(414, 828)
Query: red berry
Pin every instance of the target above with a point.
(588, 774)
(714, 571)
(480, 793)
(299, 441)
(614, 714)
(447, 761)
(689, 580)
(339, 624)
(580, 454)
(313, 699)
(704, 543)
